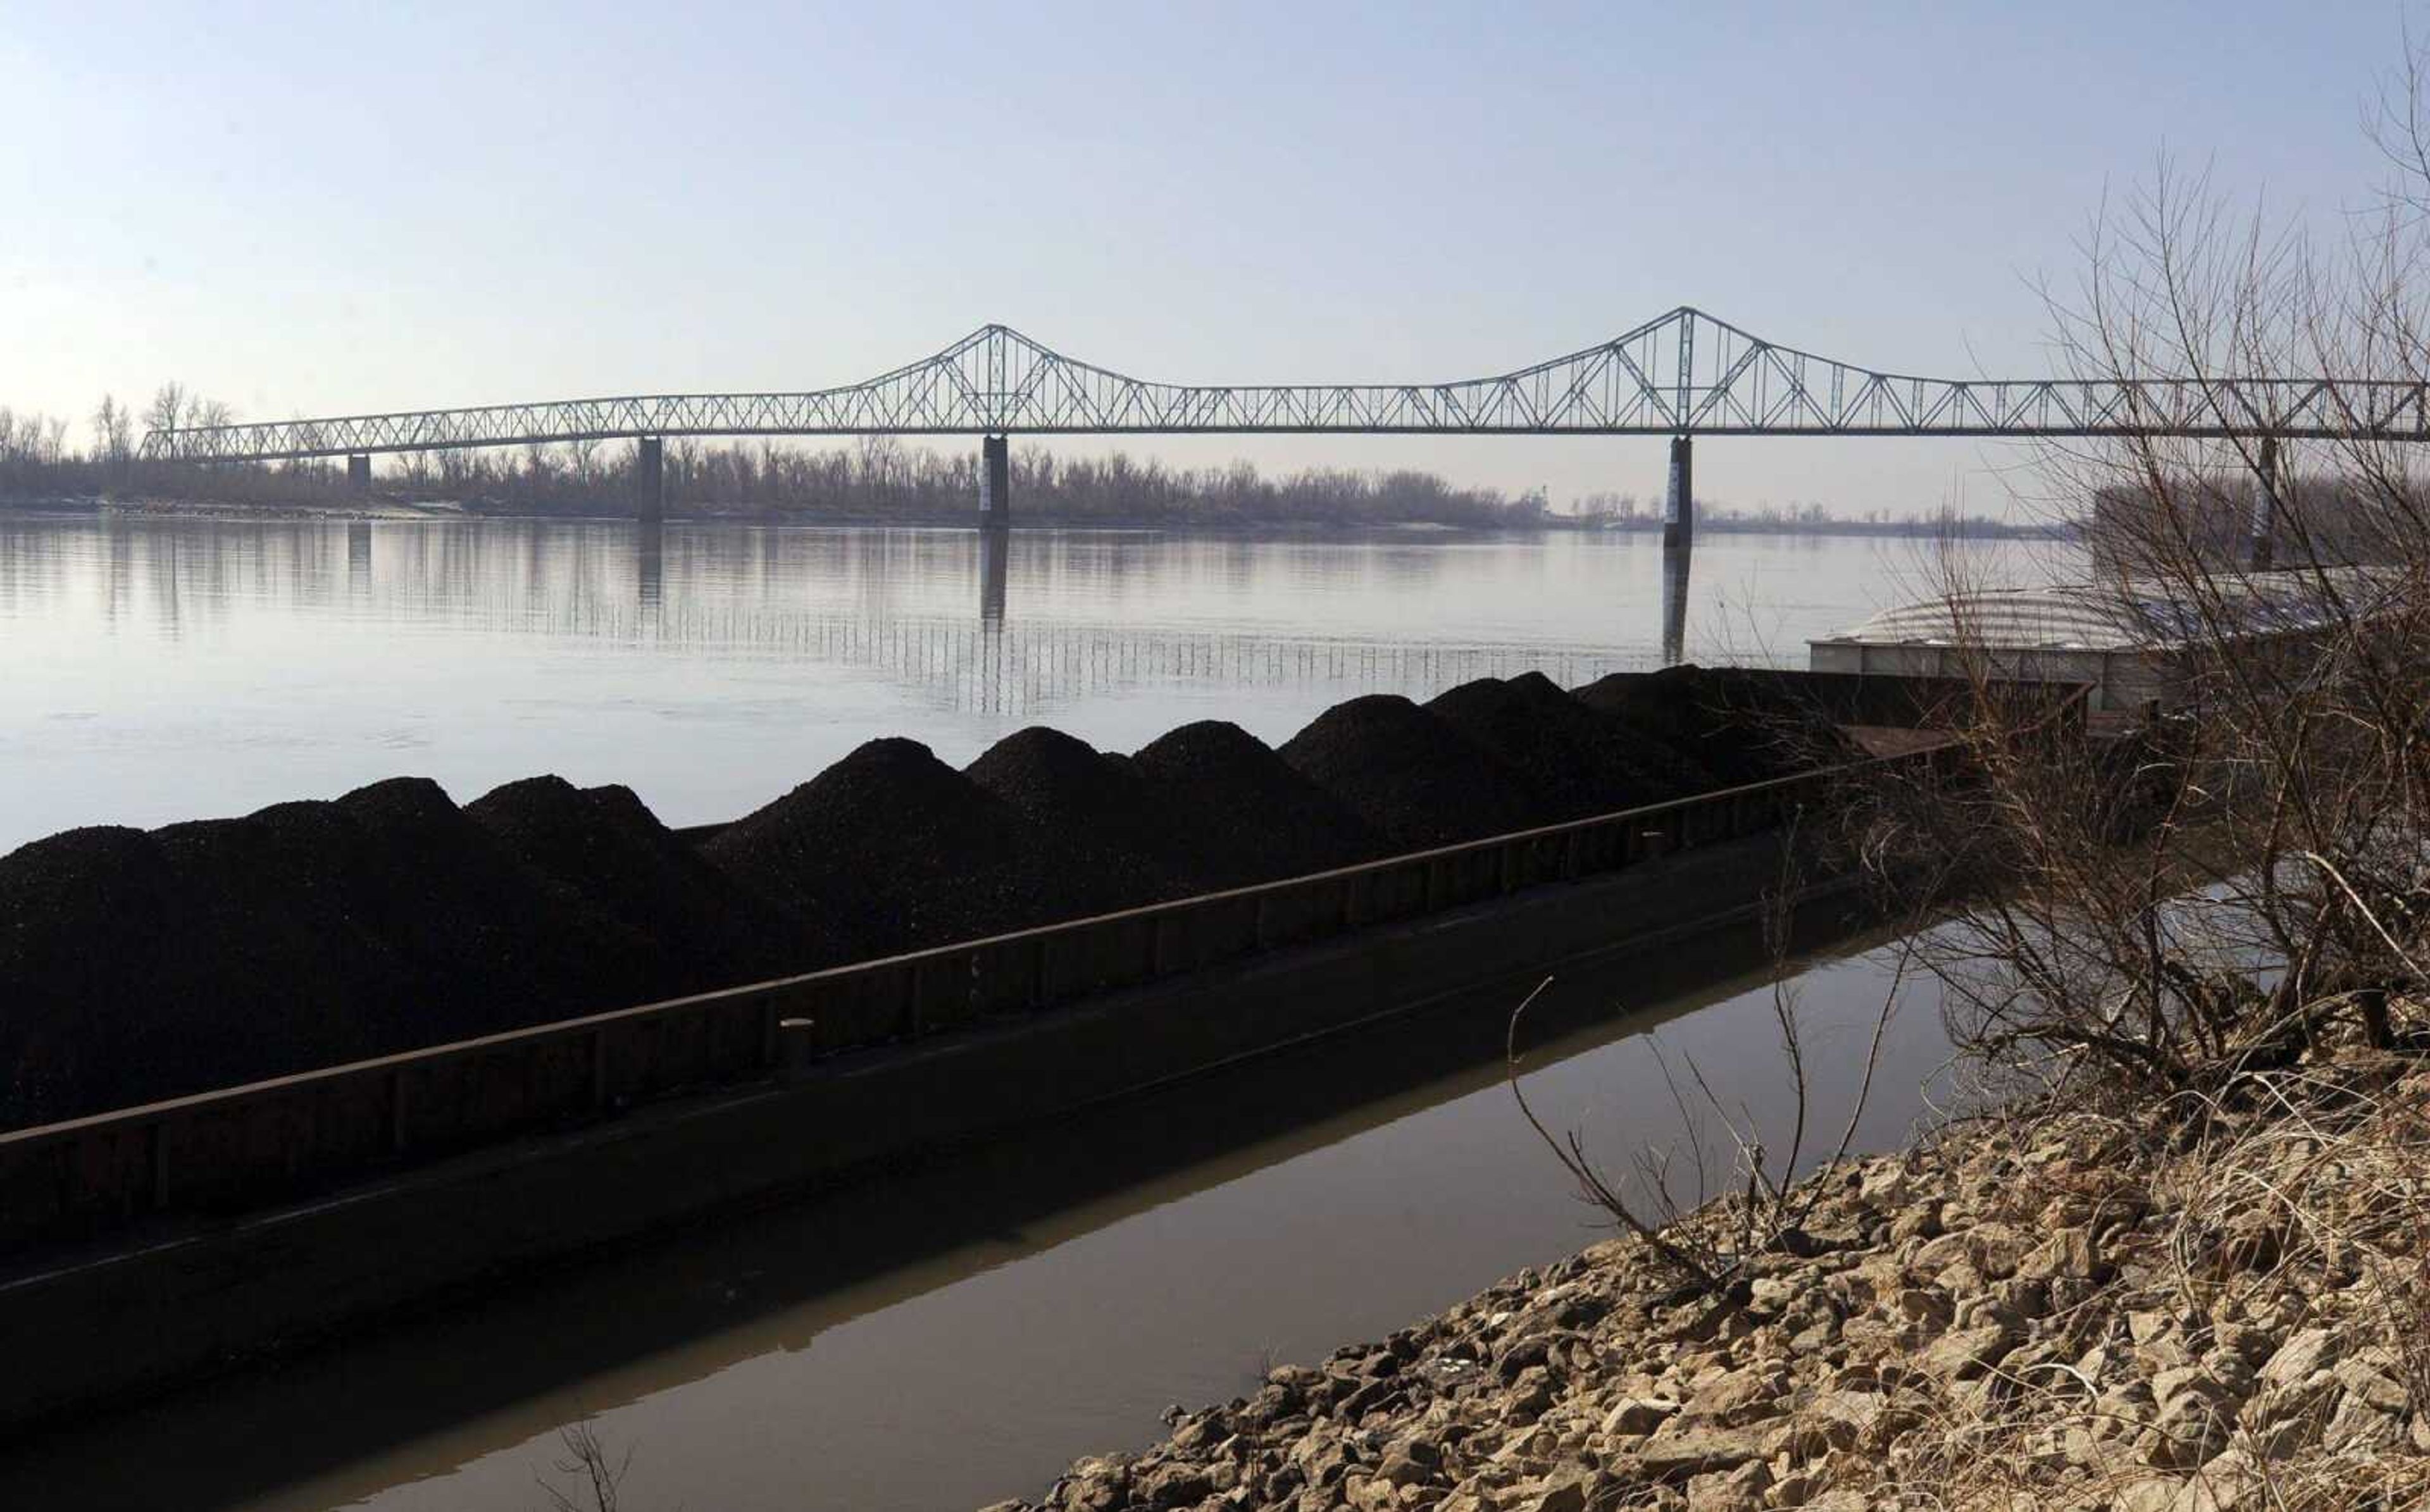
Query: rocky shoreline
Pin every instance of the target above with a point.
(2049, 1308)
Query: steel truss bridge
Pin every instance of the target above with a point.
(1683, 375)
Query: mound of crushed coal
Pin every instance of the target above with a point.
(890, 846)
(1741, 727)
(305, 934)
(483, 940)
(1578, 760)
(1411, 777)
(603, 844)
(1236, 813)
(82, 913)
(1100, 832)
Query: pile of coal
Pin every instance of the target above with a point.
(82, 915)
(1579, 761)
(704, 929)
(890, 847)
(137, 966)
(204, 954)
(1099, 832)
(1738, 726)
(1410, 777)
(1234, 813)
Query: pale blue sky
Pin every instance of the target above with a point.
(337, 208)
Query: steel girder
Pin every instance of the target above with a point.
(1685, 373)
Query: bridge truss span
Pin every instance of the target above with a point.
(1685, 373)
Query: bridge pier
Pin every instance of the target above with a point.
(995, 481)
(358, 472)
(650, 479)
(1679, 503)
(2273, 478)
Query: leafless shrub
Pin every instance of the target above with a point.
(598, 1477)
(2174, 902)
(1705, 1237)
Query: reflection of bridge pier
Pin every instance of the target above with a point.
(649, 563)
(995, 482)
(1675, 605)
(359, 558)
(995, 546)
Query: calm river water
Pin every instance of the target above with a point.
(163, 669)
(877, 1349)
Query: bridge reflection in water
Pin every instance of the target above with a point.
(991, 664)
(649, 566)
(1014, 623)
(1675, 605)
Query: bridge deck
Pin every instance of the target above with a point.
(1683, 373)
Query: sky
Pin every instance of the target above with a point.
(339, 207)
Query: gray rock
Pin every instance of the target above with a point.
(2299, 1358)
(1632, 1417)
(1568, 1490)
(1678, 1451)
(1967, 1353)
(2366, 1375)
(2357, 1425)
(2193, 1426)
(1737, 1490)
(1742, 1396)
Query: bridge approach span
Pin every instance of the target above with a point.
(1683, 375)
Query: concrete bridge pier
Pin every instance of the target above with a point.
(2271, 476)
(650, 479)
(995, 481)
(358, 472)
(1679, 503)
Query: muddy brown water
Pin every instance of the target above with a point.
(959, 1331)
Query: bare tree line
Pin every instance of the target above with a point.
(873, 478)
(878, 478)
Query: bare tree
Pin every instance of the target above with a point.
(167, 411)
(598, 1478)
(2177, 903)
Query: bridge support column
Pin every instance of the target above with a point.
(650, 479)
(995, 481)
(1679, 505)
(358, 472)
(2268, 471)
